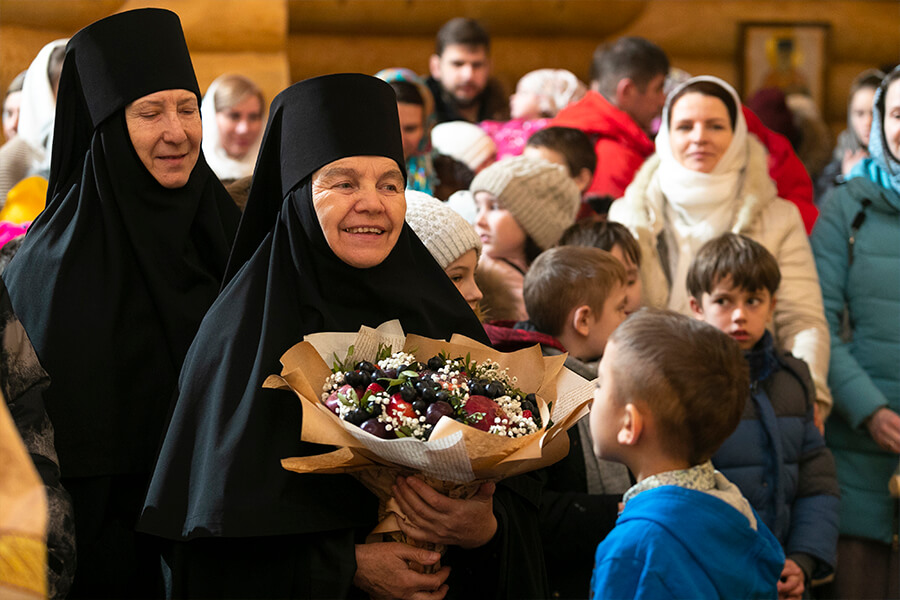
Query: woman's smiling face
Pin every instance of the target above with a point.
(360, 203)
(165, 132)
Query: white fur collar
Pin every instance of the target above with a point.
(645, 198)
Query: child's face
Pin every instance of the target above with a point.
(462, 273)
(500, 233)
(612, 316)
(606, 410)
(741, 314)
(633, 286)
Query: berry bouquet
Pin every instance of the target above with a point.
(454, 413)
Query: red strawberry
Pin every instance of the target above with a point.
(374, 388)
(526, 413)
(400, 407)
(485, 406)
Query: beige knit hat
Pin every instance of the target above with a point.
(443, 231)
(541, 195)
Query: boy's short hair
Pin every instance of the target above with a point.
(692, 377)
(573, 144)
(636, 58)
(603, 235)
(748, 263)
(564, 278)
(463, 32)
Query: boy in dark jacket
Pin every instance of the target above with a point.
(776, 456)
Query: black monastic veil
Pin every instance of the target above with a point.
(219, 471)
(115, 275)
(113, 279)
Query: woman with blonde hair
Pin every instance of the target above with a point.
(232, 111)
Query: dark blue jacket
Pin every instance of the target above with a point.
(778, 459)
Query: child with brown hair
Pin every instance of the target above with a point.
(575, 298)
(671, 390)
(616, 239)
(777, 457)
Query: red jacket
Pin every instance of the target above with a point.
(785, 169)
(620, 143)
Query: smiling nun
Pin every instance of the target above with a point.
(115, 275)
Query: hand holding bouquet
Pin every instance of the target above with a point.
(454, 414)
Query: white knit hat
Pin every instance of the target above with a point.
(444, 232)
(541, 195)
(555, 89)
(464, 141)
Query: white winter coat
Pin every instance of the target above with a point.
(799, 323)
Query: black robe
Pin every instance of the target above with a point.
(112, 281)
(250, 528)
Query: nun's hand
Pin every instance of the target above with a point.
(382, 571)
(433, 517)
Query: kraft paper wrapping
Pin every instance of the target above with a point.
(457, 457)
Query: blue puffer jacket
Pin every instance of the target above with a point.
(778, 459)
(864, 373)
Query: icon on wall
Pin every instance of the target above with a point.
(787, 56)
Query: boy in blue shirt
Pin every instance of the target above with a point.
(776, 456)
(671, 389)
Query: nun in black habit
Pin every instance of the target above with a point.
(322, 247)
(115, 275)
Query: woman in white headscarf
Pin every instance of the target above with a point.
(29, 152)
(232, 111)
(710, 176)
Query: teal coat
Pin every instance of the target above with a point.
(864, 372)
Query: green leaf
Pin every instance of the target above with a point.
(346, 364)
(476, 417)
(348, 399)
(384, 351)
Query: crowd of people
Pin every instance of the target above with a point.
(744, 436)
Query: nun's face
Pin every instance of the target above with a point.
(360, 203)
(892, 118)
(165, 131)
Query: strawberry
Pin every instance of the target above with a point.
(485, 406)
(374, 388)
(399, 407)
